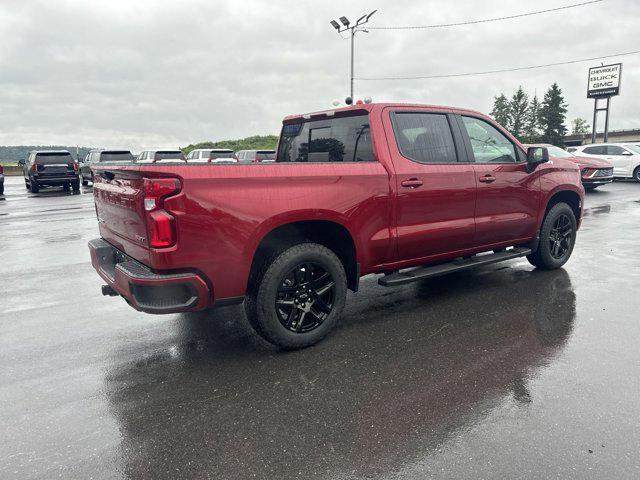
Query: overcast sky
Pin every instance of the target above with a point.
(141, 74)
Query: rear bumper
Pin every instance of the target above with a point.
(144, 289)
(62, 180)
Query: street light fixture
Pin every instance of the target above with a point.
(353, 29)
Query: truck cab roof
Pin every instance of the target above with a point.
(368, 107)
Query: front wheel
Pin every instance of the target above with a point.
(557, 238)
(299, 298)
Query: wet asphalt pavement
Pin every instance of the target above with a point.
(505, 372)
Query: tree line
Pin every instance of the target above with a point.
(535, 121)
(255, 142)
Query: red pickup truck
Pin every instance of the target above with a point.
(407, 191)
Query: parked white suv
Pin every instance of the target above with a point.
(625, 157)
(212, 155)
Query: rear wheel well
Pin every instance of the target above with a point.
(570, 198)
(330, 234)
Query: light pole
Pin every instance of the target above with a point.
(352, 30)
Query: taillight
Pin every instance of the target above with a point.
(75, 167)
(1, 169)
(34, 167)
(160, 223)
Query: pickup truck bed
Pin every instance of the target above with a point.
(375, 188)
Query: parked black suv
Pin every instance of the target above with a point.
(48, 168)
(96, 156)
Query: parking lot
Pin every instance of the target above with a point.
(495, 373)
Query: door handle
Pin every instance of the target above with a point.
(488, 178)
(411, 183)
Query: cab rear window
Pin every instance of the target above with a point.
(342, 139)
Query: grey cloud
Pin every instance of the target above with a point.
(160, 73)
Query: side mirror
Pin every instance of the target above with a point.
(21, 161)
(536, 156)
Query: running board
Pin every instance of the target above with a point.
(420, 273)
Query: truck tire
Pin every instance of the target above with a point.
(299, 297)
(557, 238)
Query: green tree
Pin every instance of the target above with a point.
(552, 116)
(256, 142)
(500, 112)
(532, 124)
(579, 126)
(518, 113)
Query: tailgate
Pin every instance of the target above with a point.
(119, 199)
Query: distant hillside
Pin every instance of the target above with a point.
(257, 142)
(12, 154)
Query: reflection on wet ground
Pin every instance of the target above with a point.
(505, 372)
(405, 387)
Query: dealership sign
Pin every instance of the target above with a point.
(604, 81)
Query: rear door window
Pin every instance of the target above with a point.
(615, 150)
(594, 150)
(424, 137)
(344, 139)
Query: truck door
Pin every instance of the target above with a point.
(435, 185)
(508, 197)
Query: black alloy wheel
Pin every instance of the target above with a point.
(560, 237)
(305, 297)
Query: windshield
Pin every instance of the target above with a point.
(560, 153)
(634, 148)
